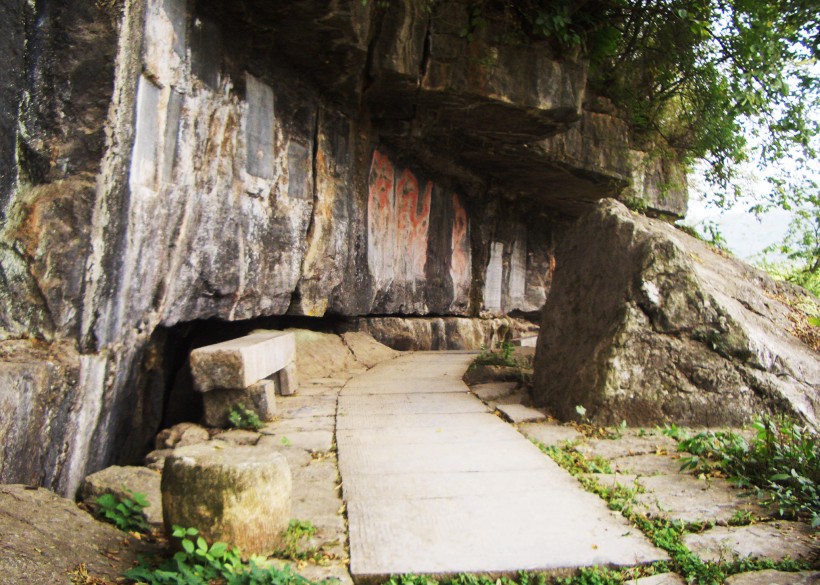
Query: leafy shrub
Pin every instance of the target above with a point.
(781, 464)
(201, 564)
(503, 356)
(241, 417)
(124, 513)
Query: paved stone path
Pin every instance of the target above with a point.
(434, 483)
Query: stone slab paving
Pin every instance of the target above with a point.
(692, 499)
(494, 390)
(550, 433)
(771, 577)
(772, 540)
(518, 413)
(662, 579)
(449, 489)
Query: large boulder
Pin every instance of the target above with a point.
(646, 324)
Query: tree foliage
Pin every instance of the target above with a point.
(705, 76)
(800, 248)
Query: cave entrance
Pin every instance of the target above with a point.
(169, 376)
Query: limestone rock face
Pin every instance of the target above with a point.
(647, 324)
(41, 396)
(166, 162)
(424, 334)
(239, 495)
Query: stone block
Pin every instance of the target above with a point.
(288, 380)
(123, 482)
(518, 413)
(259, 397)
(238, 495)
(238, 363)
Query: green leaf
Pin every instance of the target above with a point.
(201, 545)
(218, 549)
(140, 500)
(107, 501)
(188, 546)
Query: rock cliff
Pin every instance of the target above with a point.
(171, 162)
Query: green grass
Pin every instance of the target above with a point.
(780, 465)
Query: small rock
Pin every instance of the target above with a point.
(517, 413)
(772, 577)
(123, 482)
(181, 435)
(156, 459)
(238, 437)
(238, 495)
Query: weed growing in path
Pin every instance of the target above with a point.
(665, 534)
(781, 464)
(124, 513)
(241, 417)
(199, 563)
(504, 355)
(294, 542)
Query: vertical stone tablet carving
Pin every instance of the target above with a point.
(259, 139)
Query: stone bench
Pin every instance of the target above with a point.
(249, 370)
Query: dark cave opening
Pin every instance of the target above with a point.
(173, 345)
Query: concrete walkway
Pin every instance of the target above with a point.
(434, 483)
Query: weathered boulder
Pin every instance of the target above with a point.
(321, 355)
(181, 435)
(123, 482)
(48, 539)
(647, 324)
(239, 495)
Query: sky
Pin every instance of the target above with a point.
(746, 235)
